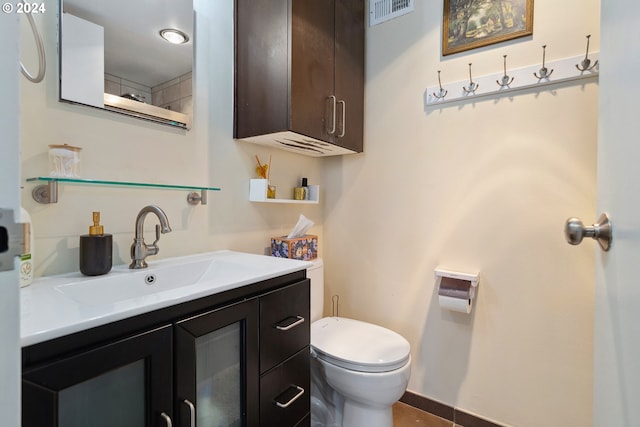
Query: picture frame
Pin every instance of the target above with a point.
(470, 24)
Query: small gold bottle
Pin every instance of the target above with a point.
(300, 193)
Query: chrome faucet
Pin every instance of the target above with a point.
(139, 249)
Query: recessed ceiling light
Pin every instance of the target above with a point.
(174, 36)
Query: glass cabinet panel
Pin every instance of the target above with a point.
(218, 377)
(115, 398)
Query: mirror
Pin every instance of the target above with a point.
(113, 57)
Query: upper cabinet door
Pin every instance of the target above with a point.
(312, 69)
(261, 98)
(349, 73)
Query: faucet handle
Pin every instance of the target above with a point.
(157, 235)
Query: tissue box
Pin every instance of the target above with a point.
(304, 248)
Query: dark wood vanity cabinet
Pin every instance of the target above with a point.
(239, 358)
(299, 66)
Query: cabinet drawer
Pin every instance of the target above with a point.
(284, 324)
(285, 393)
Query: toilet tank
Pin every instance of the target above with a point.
(315, 273)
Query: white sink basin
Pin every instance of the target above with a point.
(123, 284)
(55, 306)
(215, 270)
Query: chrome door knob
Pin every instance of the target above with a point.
(575, 231)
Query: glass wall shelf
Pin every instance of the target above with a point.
(48, 191)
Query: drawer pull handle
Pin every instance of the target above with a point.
(292, 325)
(293, 399)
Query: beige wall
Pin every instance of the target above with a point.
(121, 148)
(482, 186)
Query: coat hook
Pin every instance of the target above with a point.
(506, 80)
(472, 86)
(441, 93)
(544, 71)
(586, 62)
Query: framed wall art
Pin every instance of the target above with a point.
(470, 24)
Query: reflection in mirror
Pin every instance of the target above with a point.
(112, 56)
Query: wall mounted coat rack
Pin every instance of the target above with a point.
(533, 76)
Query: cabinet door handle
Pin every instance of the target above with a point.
(167, 419)
(293, 399)
(289, 326)
(344, 118)
(192, 412)
(333, 115)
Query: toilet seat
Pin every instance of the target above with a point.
(358, 346)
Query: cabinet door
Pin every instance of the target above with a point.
(261, 67)
(312, 67)
(127, 383)
(217, 379)
(349, 73)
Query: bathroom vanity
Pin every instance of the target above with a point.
(227, 346)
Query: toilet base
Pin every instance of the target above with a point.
(363, 399)
(356, 415)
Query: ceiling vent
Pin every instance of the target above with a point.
(383, 10)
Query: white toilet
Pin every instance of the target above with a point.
(359, 370)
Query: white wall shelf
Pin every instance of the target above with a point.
(258, 193)
(564, 70)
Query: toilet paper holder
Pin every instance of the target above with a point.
(455, 285)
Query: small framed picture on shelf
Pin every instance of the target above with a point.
(470, 24)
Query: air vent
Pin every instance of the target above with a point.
(383, 10)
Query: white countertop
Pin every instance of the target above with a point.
(55, 306)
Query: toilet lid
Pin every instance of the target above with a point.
(358, 346)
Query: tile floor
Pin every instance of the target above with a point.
(408, 416)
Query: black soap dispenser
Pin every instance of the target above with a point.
(96, 249)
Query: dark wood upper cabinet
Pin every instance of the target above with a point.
(299, 74)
